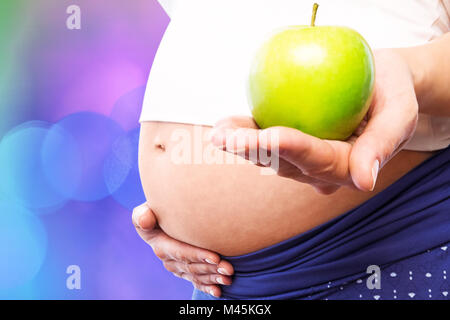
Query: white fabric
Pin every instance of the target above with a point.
(168, 5)
(200, 71)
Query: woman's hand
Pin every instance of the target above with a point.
(203, 268)
(329, 164)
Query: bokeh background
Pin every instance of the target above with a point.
(69, 108)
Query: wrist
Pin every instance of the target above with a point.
(429, 66)
(420, 67)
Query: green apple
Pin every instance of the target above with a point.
(317, 79)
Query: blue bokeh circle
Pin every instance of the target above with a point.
(94, 135)
(23, 245)
(121, 171)
(23, 179)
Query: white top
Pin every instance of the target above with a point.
(200, 71)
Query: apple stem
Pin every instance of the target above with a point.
(314, 12)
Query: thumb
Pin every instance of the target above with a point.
(383, 137)
(143, 217)
(365, 158)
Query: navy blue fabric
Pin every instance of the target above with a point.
(402, 225)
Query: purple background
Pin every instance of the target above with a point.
(69, 107)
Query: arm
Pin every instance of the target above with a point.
(430, 67)
(405, 78)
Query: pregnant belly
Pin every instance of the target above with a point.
(211, 199)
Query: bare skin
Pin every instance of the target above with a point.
(422, 69)
(206, 203)
(330, 164)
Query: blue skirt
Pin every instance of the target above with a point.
(393, 246)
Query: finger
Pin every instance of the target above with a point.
(213, 290)
(208, 279)
(204, 279)
(164, 246)
(316, 158)
(238, 132)
(167, 248)
(144, 221)
(244, 142)
(173, 249)
(220, 273)
(388, 129)
(240, 135)
(225, 268)
(321, 159)
(192, 268)
(143, 217)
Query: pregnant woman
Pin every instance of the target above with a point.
(362, 219)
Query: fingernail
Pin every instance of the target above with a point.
(209, 261)
(219, 280)
(375, 168)
(223, 271)
(211, 292)
(139, 212)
